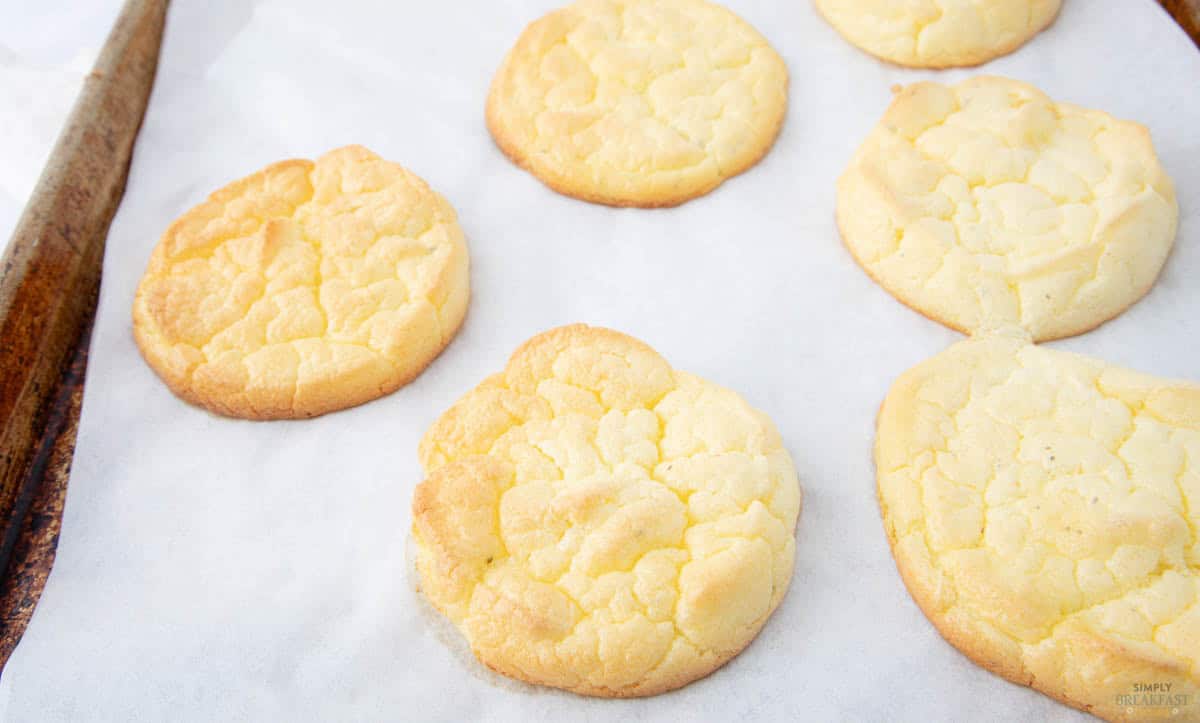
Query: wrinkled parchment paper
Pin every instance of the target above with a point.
(212, 569)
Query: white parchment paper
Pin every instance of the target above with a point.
(212, 569)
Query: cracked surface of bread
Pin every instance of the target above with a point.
(594, 520)
(1043, 510)
(304, 288)
(987, 204)
(638, 102)
(938, 33)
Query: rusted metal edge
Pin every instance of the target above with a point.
(32, 554)
(1187, 14)
(49, 278)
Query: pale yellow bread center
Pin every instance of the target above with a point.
(304, 288)
(1043, 509)
(596, 521)
(986, 204)
(638, 102)
(939, 33)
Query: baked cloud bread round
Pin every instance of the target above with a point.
(638, 102)
(987, 204)
(304, 288)
(939, 33)
(597, 521)
(1043, 510)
